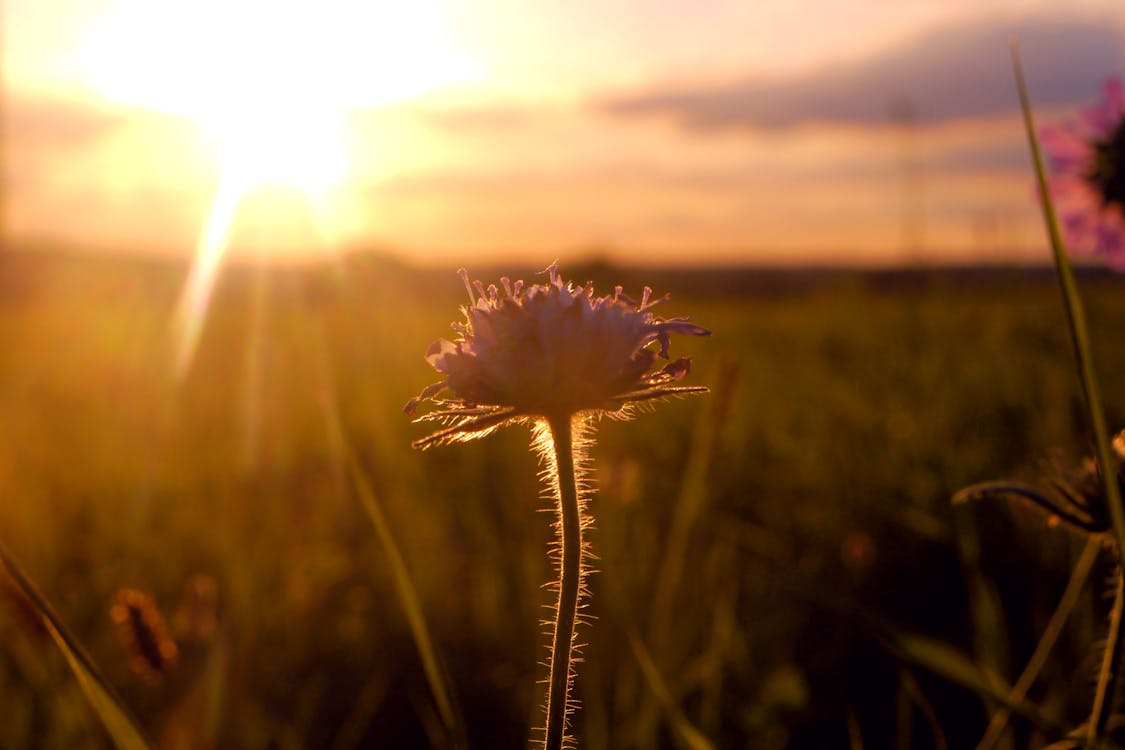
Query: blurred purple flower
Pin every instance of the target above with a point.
(1087, 158)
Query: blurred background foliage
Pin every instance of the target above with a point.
(755, 539)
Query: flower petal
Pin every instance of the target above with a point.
(437, 353)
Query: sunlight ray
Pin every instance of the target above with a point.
(272, 95)
(196, 296)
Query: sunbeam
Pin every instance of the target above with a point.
(272, 92)
(196, 295)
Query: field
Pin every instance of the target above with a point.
(807, 500)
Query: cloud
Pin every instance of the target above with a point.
(951, 73)
(483, 118)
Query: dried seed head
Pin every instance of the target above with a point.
(553, 349)
(1077, 497)
(152, 652)
(1087, 489)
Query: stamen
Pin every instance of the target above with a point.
(468, 287)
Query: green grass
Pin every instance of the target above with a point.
(860, 405)
(1106, 461)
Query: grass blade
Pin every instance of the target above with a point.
(120, 725)
(407, 594)
(689, 736)
(942, 659)
(1076, 318)
(408, 598)
(690, 505)
(914, 692)
(1111, 656)
(1051, 633)
(855, 736)
(954, 665)
(1079, 336)
(691, 501)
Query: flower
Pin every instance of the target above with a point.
(549, 350)
(1088, 160)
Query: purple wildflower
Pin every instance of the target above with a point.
(1088, 160)
(540, 351)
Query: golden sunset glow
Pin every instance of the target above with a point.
(231, 319)
(441, 128)
(270, 85)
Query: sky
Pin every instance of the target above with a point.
(671, 132)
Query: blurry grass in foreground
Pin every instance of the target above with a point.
(861, 403)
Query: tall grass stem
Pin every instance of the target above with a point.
(691, 502)
(1107, 463)
(1107, 675)
(119, 723)
(343, 452)
(1078, 577)
(686, 733)
(408, 597)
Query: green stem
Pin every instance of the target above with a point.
(1054, 629)
(1107, 463)
(1107, 676)
(570, 575)
(1079, 334)
(123, 728)
(410, 601)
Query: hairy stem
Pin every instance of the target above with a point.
(570, 575)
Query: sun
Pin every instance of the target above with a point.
(271, 85)
(270, 82)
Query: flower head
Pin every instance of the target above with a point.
(549, 350)
(1076, 497)
(1088, 161)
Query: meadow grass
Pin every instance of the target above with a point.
(860, 404)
